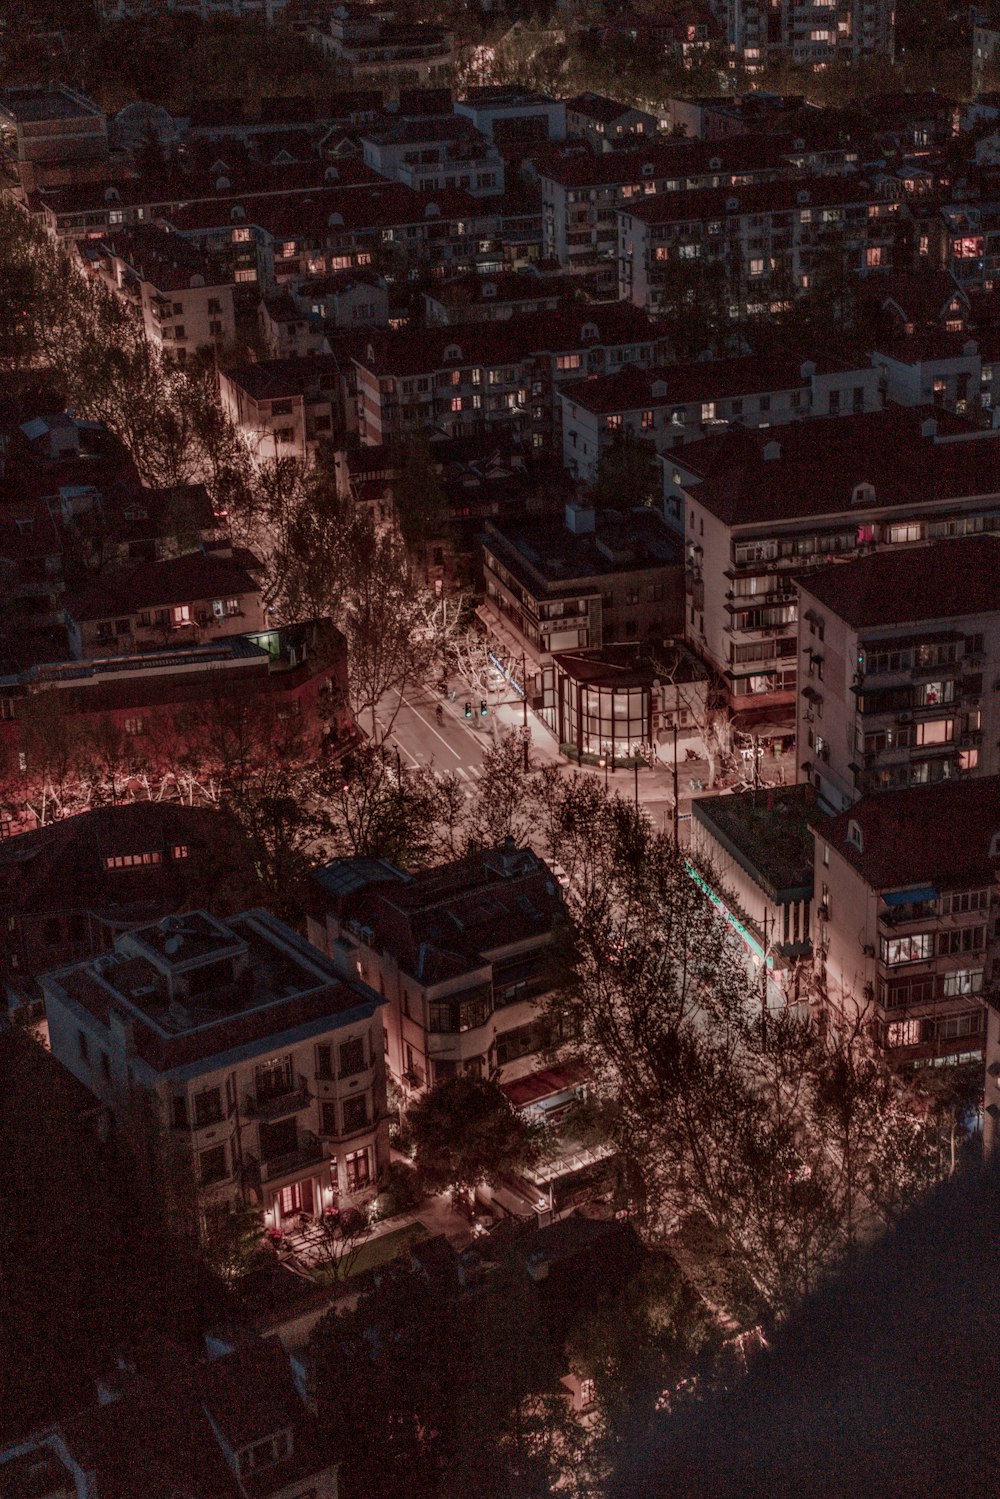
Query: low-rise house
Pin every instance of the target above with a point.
(956, 371)
(195, 598)
(904, 926)
(681, 403)
(902, 654)
(432, 155)
(759, 507)
(476, 298)
(263, 1065)
(286, 407)
(460, 953)
(619, 701)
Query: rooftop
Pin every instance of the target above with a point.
(946, 836)
(160, 584)
(941, 580)
(767, 832)
(631, 665)
(27, 104)
(758, 197)
(545, 554)
(697, 380)
(195, 989)
(908, 455)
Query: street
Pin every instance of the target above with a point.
(456, 743)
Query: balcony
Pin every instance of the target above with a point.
(308, 1153)
(278, 1105)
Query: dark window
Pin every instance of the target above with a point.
(213, 1164)
(274, 1078)
(51, 931)
(355, 1114)
(207, 1107)
(82, 1042)
(324, 1063)
(180, 1113)
(328, 1118)
(352, 1057)
(278, 1139)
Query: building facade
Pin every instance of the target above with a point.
(264, 1067)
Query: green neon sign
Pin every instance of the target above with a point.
(727, 915)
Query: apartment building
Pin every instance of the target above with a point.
(902, 653)
(286, 407)
(193, 598)
(606, 124)
(374, 48)
(52, 135)
(493, 376)
(433, 154)
(582, 192)
(511, 115)
(905, 929)
(185, 298)
(777, 232)
(966, 237)
(592, 581)
(957, 371)
(759, 507)
(263, 1065)
(761, 35)
(680, 403)
(476, 298)
(459, 952)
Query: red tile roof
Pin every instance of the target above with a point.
(820, 461)
(152, 585)
(698, 380)
(742, 153)
(942, 580)
(414, 351)
(759, 197)
(924, 835)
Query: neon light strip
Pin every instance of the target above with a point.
(506, 672)
(726, 914)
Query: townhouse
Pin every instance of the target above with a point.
(459, 952)
(185, 299)
(759, 507)
(194, 598)
(905, 928)
(776, 236)
(263, 1066)
(901, 650)
(487, 376)
(681, 403)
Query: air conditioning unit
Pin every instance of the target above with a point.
(868, 950)
(904, 718)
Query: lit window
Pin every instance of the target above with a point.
(133, 726)
(181, 851)
(246, 275)
(873, 256)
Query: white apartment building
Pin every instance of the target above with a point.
(900, 652)
(757, 508)
(262, 1064)
(185, 298)
(681, 403)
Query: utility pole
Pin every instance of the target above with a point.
(677, 805)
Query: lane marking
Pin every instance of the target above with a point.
(427, 723)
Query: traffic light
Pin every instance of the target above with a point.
(468, 710)
(482, 707)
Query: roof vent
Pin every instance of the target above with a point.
(732, 204)
(331, 174)
(715, 164)
(335, 221)
(863, 494)
(111, 195)
(802, 196)
(854, 835)
(772, 452)
(452, 354)
(929, 427)
(237, 211)
(432, 211)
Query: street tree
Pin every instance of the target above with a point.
(465, 1131)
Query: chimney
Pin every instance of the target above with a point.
(772, 452)
(928, 427)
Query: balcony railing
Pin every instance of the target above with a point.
(277, 1105)
(307, 1153)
